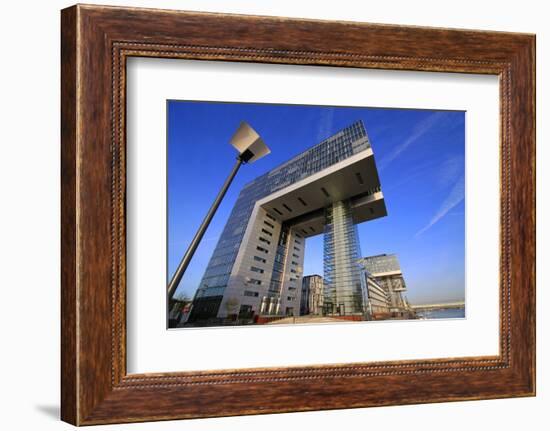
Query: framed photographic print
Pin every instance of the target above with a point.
(323, 214)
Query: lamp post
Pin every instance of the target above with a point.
(251, 147)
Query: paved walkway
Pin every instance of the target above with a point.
(307, 319)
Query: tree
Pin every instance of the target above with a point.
(231, 305)
(182, 297)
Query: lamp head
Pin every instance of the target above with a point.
(249, 144)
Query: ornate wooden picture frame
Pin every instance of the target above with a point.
(96, 41)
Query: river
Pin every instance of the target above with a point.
(446, 313)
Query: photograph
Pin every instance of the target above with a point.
(285, 214)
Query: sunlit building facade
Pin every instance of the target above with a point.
(257, 266)
(387, 271)
(312, 295)
(378, 300)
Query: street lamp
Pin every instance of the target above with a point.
(251, 148)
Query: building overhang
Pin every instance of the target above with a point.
(387, 273)
(302, 204)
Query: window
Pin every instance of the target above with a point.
(267, 232)
(245, 312)
(297, 248)
(293, 271)
(287, 208)
(295, 255)
(297, 241)
(269, 224)
(256, 269)
(261, 249)
(290, 298)
(250, 293)
(265, 240)
(294, 263)
(253, 281)
(259, 259)
(269, 216)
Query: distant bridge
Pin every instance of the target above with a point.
(438, 306)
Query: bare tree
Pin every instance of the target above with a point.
(231, 305)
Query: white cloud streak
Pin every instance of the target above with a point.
(449, 170)
(325, 124)
(455, 196)
(420, 130)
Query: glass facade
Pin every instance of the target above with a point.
(342, 145)
(312, 295)
(382, 263)
(343, 272)
(387, 270)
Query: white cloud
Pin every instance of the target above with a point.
(449, 170)
(325, 124)
(420, 130)
(455, 196)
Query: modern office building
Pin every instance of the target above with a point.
(256, 267)
(312, 295)
(387, 271)
(378, 300)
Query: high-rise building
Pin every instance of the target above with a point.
(312, 295)
(256, 267)
(387, 271)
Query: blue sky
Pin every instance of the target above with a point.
(420, 159)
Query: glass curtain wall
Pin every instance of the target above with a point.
(344, 282)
